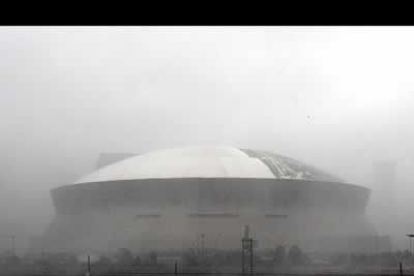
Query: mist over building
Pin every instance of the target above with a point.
(106, 159)
(383, 202)
(168, 199)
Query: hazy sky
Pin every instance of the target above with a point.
(340, 98)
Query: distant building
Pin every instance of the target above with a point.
(191, 197)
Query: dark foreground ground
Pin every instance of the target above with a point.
(277, 262)
(119, 270)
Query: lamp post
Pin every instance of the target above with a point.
(410, 242)
(247, 252)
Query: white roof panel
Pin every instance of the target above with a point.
(205, 162)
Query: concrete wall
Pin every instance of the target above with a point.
(174, 213)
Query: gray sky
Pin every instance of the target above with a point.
(336, 97)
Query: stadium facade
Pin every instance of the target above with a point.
(180, 198)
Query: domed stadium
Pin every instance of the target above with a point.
(169, 199)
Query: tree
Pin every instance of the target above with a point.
(104, 261)
(295, 256)
(137, 261)
(190, 258)
(152, 258)
(124, 256)
(279, 255)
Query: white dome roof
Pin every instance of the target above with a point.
(207, 162)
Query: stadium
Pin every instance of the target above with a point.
(204, 196)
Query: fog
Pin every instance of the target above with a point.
(339, 98)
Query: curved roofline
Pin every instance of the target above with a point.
(355, 186)
(209, 162)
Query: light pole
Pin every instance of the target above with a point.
(247, 252)
(410, 241)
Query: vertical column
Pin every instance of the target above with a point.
(247, 252)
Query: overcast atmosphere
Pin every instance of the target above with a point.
(338, 98)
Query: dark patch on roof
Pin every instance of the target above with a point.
(287, 168)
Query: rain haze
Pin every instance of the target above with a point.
(339, 98)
